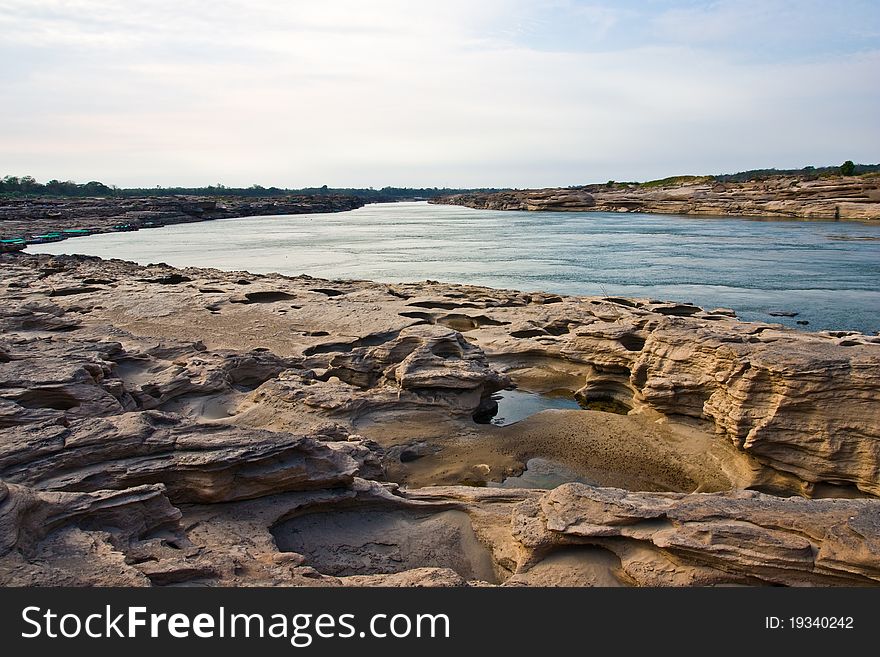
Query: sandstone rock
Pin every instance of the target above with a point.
(779, 540)
(117, 400)
(28, 515)
(829, 198)
(196, 463)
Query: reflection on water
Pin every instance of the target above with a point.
(516, 405)
(826, 272)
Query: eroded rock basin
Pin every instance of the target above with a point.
(372, 541)
(635, 452)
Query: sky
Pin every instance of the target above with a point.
(457, 93)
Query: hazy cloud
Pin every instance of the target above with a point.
(505, 92)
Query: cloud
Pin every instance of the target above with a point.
(401, 93)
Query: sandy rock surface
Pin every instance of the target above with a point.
(177, 427)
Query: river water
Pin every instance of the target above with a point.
(826, 272)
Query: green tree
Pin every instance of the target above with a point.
(848, 168)
(27, 183)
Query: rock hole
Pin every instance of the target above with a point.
(66, 328)
(267, 297)
(527, 333)
(172, 279)
(576, 566)
(677, 310)
(640, 376)
(372, 541)
(442, 305)
(606, 395)
(70, 291)
(427, 317)
(446, 350)
(632, 342)
(557, 328)
(622, 302)
(53, 398)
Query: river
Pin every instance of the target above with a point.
(826, 272)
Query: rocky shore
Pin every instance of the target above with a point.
(852, 197)
(164, 426)
(31, 221)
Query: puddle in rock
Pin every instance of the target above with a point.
(375, 541)
(542, 473)
(516, 405)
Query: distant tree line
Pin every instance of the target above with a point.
(14, 186)
(27, 185)
(848, 168)
(24, 186)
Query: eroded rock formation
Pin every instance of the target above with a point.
(854, 197)
(163, 426)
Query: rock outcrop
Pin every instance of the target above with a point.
(728, 537)
(205, 463)
(37, 220)
(854, 197)
(162, 426)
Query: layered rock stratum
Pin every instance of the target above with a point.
(36, 220)
(164, 426)
(836, 197)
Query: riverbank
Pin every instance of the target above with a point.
(194, 426)
(831, 198)
(43, 220)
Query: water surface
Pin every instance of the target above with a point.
(516, 405)
(826, 272)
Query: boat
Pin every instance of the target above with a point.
(53, 236)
